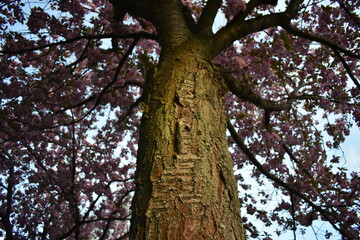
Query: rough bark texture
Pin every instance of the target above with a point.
(185, 182)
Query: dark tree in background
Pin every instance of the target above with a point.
(126, 119)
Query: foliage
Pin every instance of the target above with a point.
(71, 82)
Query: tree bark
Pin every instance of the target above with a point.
(185, 182)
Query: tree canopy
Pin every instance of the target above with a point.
(72, 76)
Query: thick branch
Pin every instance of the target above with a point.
(139, 8)
(234, 30)
(294, 7)
(238, 27)
(247, 94)
(167, 15)
(206, 20)
(170, 22)
(190, 21)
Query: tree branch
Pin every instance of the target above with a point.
(238, 27)
(52, 178)
(83, 221)
(113, 81)
(353, 16)
(125, 236)
(98, 97)
(235, 30)
(318, 39)
(246, 94)
(170, 22)
(129, 111)
(95, 96)
(5, 213)
(206, 20)
(277, 180)
(190, 22)
(167, 15)
(293, 8)
(347, 68)
(336, 49)
(88, 37)
(140, 8)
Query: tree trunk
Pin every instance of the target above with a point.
(185, 181)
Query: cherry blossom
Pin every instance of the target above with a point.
(71, 99)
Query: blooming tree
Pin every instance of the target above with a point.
(88, 86)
